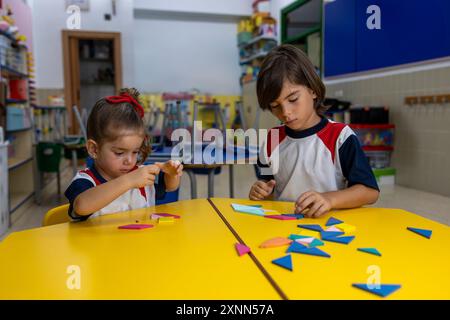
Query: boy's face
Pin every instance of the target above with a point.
(116, 158)
(295, 106)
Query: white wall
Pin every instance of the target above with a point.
(49, 18)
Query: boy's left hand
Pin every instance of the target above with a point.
(171, 167)
(313, 204)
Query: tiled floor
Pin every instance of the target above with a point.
(431, 206)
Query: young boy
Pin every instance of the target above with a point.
(317, 163)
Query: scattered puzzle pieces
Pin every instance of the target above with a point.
(136, 226)
(333, 229)
(423, 232)
(311, 251)
(313, 227)
(316, 243)
(248, 209)
(275, 242)
(295, 246)
(295, 215)
(166, 220)
(167, 215)
(332, 221)
(242, 249)
(280, 217)
(370, 250)
(329, 234)
(346, 228)
(285, 262)
(344, 240)
(383, 291)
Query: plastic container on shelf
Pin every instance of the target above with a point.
(371, 135)
(385, 176)
(14, 118)
(379, 156)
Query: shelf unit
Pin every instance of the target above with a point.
(301, 26)
(15, 69)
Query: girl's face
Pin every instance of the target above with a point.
(295, 106)
(116, 158)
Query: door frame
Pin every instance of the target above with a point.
(71, 66)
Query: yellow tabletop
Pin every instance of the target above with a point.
(421, 266)
(192, 258)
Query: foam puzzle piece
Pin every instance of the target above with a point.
(346, 228)
(166, 220)
(279, 217)
(373, 251)
(330, 234)
(275, 242)
(314, 227)
(285, 262)
(333, 229)
(247, 209)
(242, 249)
(305, 240)
(384, 290)
(423, 232)
(136, 226)
(333, 221)
(297, 236)
(168, 215)
(311, 251)
(295, 215)
(344, 240)
(295, 246)
(316, 243)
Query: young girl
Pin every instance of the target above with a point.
(117, 142)
(321, 165)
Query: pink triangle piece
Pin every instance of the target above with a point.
(305, 240)
(333, 229)
(136, 226)
(242, 249)
(280, 217)
(275, 242)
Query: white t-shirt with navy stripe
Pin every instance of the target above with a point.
(326, 157)
(135, 198)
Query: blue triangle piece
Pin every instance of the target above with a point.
(423, 232)
(332, 221)
(312, 251)
(285, 262)
(344, 240)
(295, 215)
(371, 251)
(383, 291)
(330, 234)
(313, 227)
(295, 246)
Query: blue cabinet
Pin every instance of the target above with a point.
(339, 37)
(411, 31)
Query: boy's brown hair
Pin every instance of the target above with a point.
(111, 115)
(286, 62)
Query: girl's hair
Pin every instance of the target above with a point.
(111, 115)
(287, 62)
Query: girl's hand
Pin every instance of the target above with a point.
(171, 167)
(261, 190)
(313, 204)
(143, 176)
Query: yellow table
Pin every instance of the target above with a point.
(193, 258)
(421, 266)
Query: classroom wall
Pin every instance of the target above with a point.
(422, 135)
(49, 18)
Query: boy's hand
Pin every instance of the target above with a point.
(261, 190)
(143, 176)
(171, 167)
(313, 204)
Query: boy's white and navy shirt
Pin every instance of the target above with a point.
(135, 198)
(326, 157)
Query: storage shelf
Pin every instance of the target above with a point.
(256, 39)
(253, 57)
(11, 101)
(378, 148)
(11, 72)
(14, 163)
(17, 199)
(371, 126)
(18, 130)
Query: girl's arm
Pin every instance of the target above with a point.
(100, 196)
(173, 171)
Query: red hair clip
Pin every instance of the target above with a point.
(126, 98)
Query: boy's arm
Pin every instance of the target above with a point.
(100, 196)
(352, 197)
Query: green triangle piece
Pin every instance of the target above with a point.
(370, 250)
(423, 232)
(316, 243)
